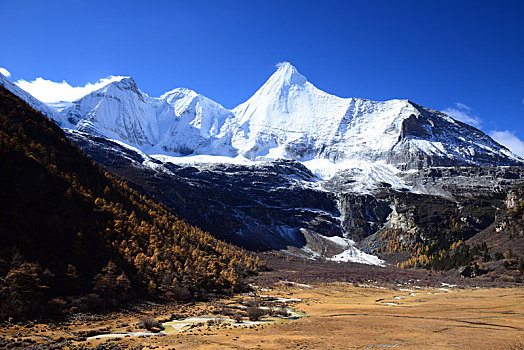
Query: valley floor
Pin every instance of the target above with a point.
(338, 316)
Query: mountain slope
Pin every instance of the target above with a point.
(280, 205)
(268, 206)
(67, 228)
(28, 98)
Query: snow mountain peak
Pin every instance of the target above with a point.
(286, 74)
(178, 93)
(126, 84)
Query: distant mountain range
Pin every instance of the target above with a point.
(288, 117)
(299, 169)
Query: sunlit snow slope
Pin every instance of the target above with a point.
(289, 117)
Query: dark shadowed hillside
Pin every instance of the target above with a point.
(75, 238)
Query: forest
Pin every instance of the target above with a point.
(76, 239)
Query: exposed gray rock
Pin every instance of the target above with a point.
(258, 207)
(280, 204)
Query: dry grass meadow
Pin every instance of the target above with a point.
(338, 316)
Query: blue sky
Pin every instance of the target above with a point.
(465, 57)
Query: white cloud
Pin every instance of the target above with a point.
(510, 140)
(5, 72)
(51, 91)
(463, 114)
(463, 106)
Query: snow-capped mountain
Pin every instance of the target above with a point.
(118, 110)
(202, 126)
(383, 162)
(288, 117)
(179, 122)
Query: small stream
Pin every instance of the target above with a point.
(190, 322)
(185, 324)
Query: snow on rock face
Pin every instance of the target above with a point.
(201, 124)
(198, 111)
(180, 122)
(288, 117)
(303, 122)
(287, 113)
(117, 111)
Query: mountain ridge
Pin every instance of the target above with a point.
(287, 117)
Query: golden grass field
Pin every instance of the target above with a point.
(343, 316)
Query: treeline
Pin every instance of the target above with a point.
(448, 235)
(508, 233)
(438, 256)
(460, 254)
(76, 239)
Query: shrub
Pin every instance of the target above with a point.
(282, 311)
(180, 292)
(56, 308)
(150, 324)
(237, 317)
(254, 313)
(252, 302)
(227, 311)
